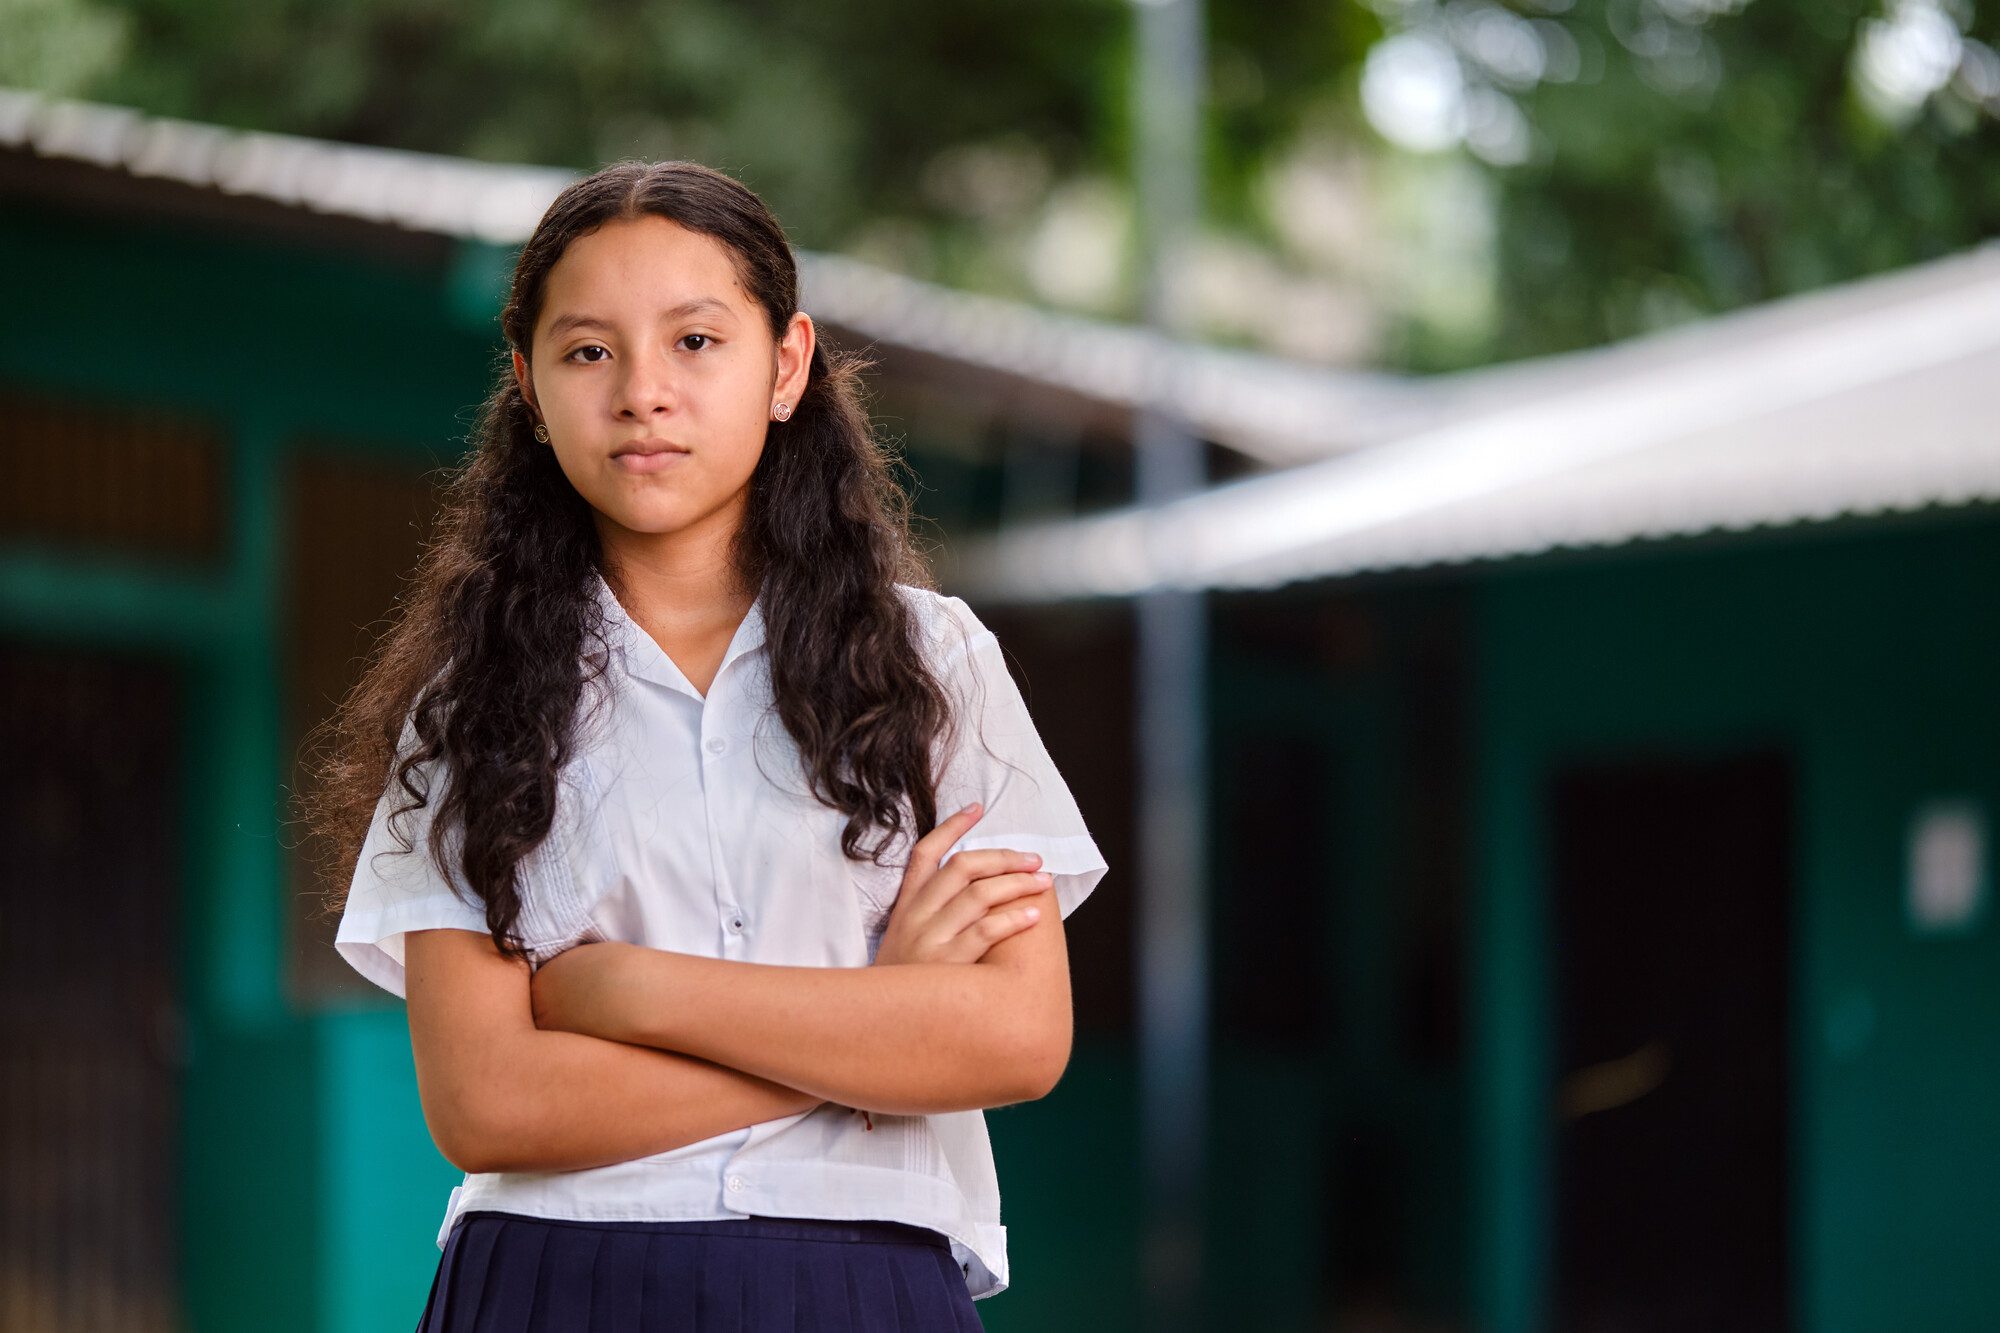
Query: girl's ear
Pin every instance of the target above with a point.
(794, 359)
(521, 378)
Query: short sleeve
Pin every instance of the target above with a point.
(998, 759)
(394, 892)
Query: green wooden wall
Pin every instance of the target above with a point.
(1870, 651)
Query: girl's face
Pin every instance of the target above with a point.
(657, 377)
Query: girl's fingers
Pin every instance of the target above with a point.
(929, 893)
(969, 867)
(930, 849)
(984, 895)
(970, 944)
(996, 926)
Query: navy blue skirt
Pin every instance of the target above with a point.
(506, 1273)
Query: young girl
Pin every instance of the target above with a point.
(642, 801)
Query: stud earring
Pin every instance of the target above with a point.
(541, 432)
(783, 410)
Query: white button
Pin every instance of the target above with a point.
(736, 923)
(736, 1184)
(716, 745)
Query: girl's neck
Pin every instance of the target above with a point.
(684, 580)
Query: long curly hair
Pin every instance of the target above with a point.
(486, 662)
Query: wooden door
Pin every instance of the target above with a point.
(1672, 916)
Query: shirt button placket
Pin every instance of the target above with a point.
(733, 924)
(733, 919)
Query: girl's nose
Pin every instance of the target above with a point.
(647, 387)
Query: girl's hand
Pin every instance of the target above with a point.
(954, 914)
(580, 988)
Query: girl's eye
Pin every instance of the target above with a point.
(578, 354)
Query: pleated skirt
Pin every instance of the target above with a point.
(507, 1273)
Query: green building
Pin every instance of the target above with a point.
(1603, 783)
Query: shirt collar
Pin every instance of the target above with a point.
(643, 657)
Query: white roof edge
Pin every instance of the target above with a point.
(1715, 335)
(1574, 413)
(429, 192)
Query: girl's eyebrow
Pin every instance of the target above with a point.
(700, 305)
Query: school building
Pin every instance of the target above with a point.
(1600, 789)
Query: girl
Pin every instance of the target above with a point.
(640, 798)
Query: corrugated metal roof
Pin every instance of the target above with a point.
(1870, 397)
(1269, 409)
(421, 191)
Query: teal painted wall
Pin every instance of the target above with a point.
(1870, 652)
(380, 1181)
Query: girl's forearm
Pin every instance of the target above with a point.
(563, 1101)
(912, 1039)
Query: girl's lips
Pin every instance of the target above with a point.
(665, 458)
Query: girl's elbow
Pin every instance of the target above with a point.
(1039, 1063)
(468, 1158)
(457, 1143)
(1050, 1071)
(463, 1140)
(478, 1134)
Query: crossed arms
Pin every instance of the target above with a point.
(617, 1051)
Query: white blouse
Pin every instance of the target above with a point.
(684, 823)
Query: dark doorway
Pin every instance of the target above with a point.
(1672, 889)
(89, 1044)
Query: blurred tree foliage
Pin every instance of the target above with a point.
(1728, 153)
(833, 112)
(1680, 157)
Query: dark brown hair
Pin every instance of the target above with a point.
(487, 659)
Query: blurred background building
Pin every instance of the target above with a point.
(1597, 541)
